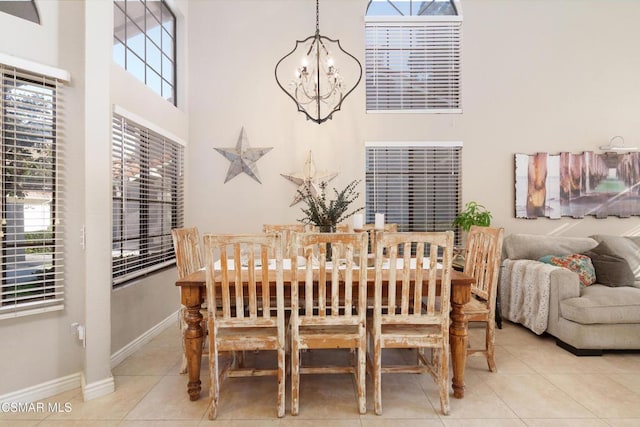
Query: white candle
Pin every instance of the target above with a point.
(358, 221)
(379, 225)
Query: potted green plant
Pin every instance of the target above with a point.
(472, 214)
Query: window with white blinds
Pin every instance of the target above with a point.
(32, 193)
(416, 185)
(148, 199)
(413, 63)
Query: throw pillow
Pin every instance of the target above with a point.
(578, 263)
(625, 247)
(611, 270)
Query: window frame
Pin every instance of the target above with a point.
(152, 147)
(395, 210)
(41, 88)
(397, 6)
(382, 97)
(126, 55)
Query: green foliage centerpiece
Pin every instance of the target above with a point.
(326, 214)
(473, 214)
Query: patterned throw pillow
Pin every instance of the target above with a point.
(578, 263)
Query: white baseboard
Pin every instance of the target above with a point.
(44, 390)
(136, 344)
(98, 388)
(92, 390)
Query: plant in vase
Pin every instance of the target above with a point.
(326, 214)
(472, 214)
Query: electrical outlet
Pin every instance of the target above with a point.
(80, 332)
(82, 335)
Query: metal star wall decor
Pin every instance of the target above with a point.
(243, 158)
(308, 177)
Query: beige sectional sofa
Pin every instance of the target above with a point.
(585, 320)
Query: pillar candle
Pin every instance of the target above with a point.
(358, 221)
(379, 225)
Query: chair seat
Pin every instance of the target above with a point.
(476, 307)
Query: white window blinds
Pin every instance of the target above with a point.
(148, 199)
(415, 185)
(32, 193)
(413, 64)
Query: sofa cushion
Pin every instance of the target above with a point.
(578, 263)
(602, 304)
(611, 269)
(534, 246)
(625, 247)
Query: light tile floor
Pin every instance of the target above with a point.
(537, 384)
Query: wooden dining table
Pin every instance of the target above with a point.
(193, 294)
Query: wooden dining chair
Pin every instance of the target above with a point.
(482, 258)
(186, 246)
(245, 320)
(286, 231)
(326, 312)
(409, 264)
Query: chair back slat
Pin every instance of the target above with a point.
(264, 280)
(237, 272)
(224, 289)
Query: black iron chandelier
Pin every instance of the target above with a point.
(318, 86)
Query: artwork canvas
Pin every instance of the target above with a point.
(577, 185)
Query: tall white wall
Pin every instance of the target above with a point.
(538, 75)
(77, 36)
(40, 348)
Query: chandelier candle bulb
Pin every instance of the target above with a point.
(379, 224)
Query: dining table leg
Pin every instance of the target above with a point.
(458, 337)
(193, 336)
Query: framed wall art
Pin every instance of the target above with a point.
(577, 185)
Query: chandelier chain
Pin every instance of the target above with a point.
(317, 16)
